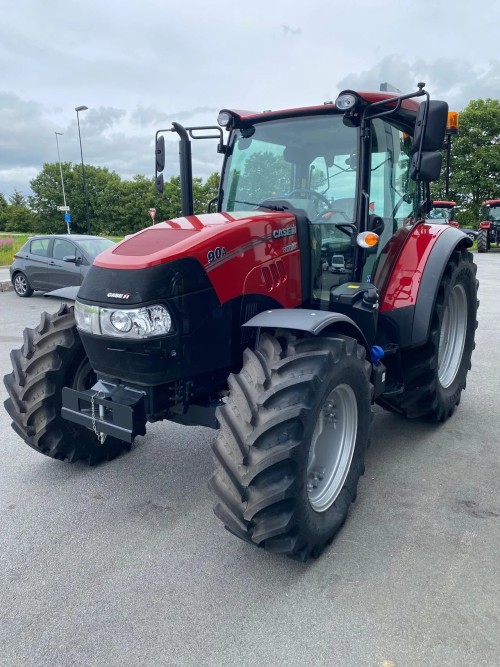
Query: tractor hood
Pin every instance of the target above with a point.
(233, 253)
(194, 236)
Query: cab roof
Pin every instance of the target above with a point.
(410, 106)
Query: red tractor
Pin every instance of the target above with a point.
(235, 320)
(489, 228)
(443, 212)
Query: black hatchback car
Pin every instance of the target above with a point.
(53, 261)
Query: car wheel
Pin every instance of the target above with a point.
(21, 285)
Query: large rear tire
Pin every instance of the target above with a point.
(435, 374)
(51, 358)
(292, 440)
(483, 241)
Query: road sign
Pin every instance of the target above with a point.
(63, 208)
(152, 213)
(67, 217)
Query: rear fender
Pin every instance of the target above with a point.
(408, 301)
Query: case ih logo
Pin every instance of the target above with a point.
(286, 231)
(117, 295)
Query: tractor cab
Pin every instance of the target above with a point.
(353, 173)
(489, 227)
(491, 212)
(443, 212)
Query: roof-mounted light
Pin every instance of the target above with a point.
(224, 118)
(452, 123)
(346, 101)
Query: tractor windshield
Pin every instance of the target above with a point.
(440, 215)
(493, 213)
(308, 161)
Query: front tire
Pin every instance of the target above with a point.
(435, 374)
(51, 358)
(483, 241)
(292, 440)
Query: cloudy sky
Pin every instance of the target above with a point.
(138, 66)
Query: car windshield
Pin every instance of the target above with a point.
(93, 247)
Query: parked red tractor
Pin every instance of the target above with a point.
(443, 212)
(489, 228)
(234, 319)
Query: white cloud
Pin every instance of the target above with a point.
(140, 66)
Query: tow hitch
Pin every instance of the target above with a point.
(106, 409)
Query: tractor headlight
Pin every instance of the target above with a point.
(87, 317)
(124, 323)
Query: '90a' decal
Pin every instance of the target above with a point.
(216, 253)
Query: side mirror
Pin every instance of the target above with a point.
(70, 258)
(376, 224)
(159, 184)
(429, 168)
(434, 129)
(160, 153)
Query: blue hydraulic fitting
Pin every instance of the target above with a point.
(377, 353)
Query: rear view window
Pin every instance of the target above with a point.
(39, 247)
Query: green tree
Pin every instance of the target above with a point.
(3, 209)
(17, 199)
(18, 218)
(475, 160)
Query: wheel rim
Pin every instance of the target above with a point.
(20, 284)
(452, 336)
(332, 447)
(85, 376)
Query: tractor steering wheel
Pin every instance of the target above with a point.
(312, 195)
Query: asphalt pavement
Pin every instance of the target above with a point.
(125, 564)
(5, 283)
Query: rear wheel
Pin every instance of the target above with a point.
(21, 285)
(292, 441)
(483, 241)
(435, 374)
(51, 358)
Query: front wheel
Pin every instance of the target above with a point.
(483, 241)
(51, 358)
(292, 440)
(22, 286)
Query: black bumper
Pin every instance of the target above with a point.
(117, 411)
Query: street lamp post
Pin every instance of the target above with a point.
(87, 216)
(60, 134)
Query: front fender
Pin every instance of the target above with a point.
(68, 293)
(312, 321)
